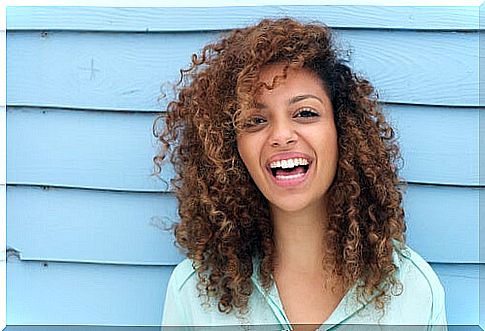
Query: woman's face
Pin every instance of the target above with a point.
(289, 144)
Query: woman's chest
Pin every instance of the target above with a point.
(308, 301)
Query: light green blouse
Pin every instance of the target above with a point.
(421, 304)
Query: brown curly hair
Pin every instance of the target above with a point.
(224, 219)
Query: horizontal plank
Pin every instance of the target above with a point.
(439, 145)
(87, 149)
(127, 228)
(113, 150)
(125, 295)
(461, 283)
(92, 226)
(443, 222)
(224, 18)
(70, 293)
(108, 70)
(416, 68)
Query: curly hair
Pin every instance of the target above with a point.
(224, 219)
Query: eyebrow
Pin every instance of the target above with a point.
(303, 97)
(293, 100)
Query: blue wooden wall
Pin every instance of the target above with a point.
(84, 216)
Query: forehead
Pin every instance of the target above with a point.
(298, 81)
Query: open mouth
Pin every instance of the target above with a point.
(289, 169)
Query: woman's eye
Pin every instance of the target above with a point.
(306, 112)
(254, 121)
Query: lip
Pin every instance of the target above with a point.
(285, 156)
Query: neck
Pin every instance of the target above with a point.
(299, 238)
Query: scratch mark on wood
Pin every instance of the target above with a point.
(91, 69)
(130, 92)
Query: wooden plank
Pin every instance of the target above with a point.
(443, 223)
(126, 228)
(108, 70)
(92, 226)
(70, 293)
(224, 18)
(461, 283)
(113, 150)
(127, 295)
(87, 149)
(408, 67)
(438, 144)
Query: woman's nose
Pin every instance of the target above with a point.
(283, 134)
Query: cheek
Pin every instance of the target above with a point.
(243, 147)
(333, 145)
(334, 152)
(328, 147)
(250, 153)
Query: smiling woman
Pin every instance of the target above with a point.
(288, 189)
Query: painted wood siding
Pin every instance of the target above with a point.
(84, 217)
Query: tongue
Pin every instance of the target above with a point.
(292, 171)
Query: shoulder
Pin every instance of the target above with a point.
(185, 306)
(422, 299)
(412, 267)
(180, 297)
(181, 274)
(417, 299)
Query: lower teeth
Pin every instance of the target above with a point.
(289, 176)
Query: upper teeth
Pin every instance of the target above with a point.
(289, 163)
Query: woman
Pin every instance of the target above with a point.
(289, 200)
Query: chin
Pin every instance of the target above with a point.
(291, 205)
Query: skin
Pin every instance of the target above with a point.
(295, 116)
